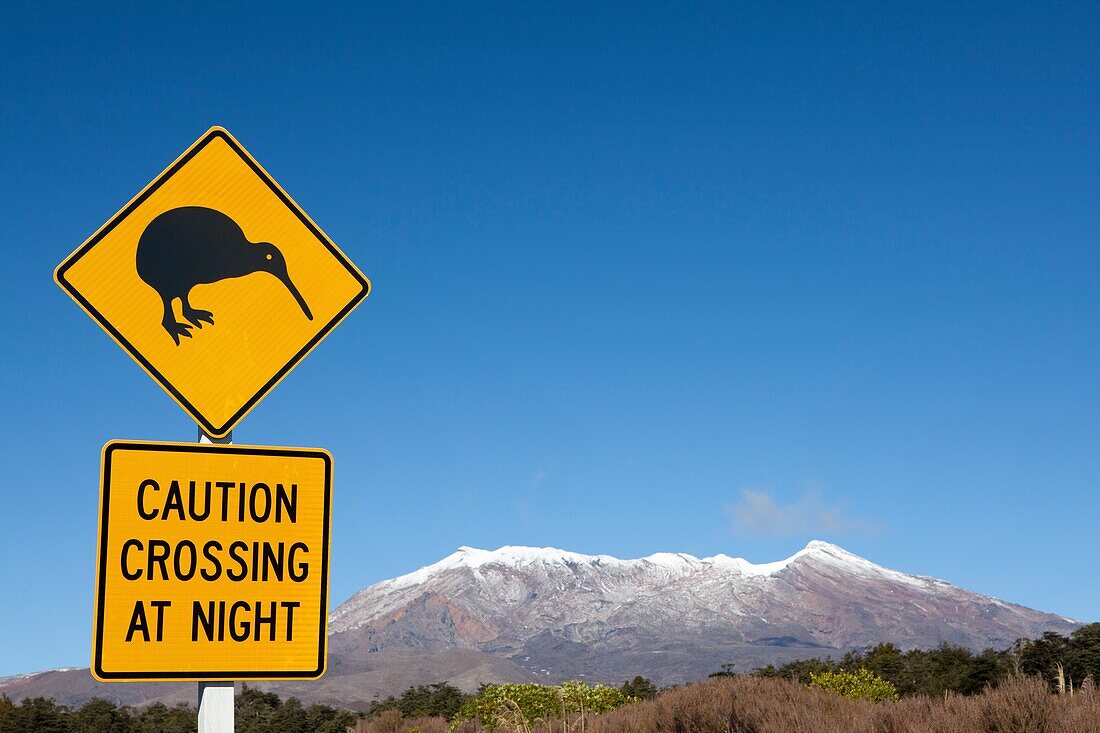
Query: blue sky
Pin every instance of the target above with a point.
(648, 277)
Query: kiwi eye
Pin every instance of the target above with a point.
(269, 257)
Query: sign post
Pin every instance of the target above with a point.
(215, 707)
(213, 558)
(215, 699)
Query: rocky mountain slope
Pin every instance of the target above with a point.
(521, 613)
(672, 617)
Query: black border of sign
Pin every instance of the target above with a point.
(216, 431)
(101, 575)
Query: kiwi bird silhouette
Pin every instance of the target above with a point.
(193, 245)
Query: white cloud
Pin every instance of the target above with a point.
(758, 514)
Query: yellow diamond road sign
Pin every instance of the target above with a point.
(214, 280)
(213, 562)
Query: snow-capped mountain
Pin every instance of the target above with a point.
(523, 613)
(670, 616)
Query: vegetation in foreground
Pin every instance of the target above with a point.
(834, 702)
(758, 705)
(725, 704)
(1045, 684)
(1063, 661)
(256, 712)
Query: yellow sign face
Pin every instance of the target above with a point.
(213, 562)
(214, 281)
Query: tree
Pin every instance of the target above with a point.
(159, 718)
(885, 660)
(440, 699)
(323, 719)
(100, 716)
(290, 717)
(1083, 658)
(254, 710)
(726, 671)
(799, 670)
(1043, 655)
(641, 688)
(37, 714)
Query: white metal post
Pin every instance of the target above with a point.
(215, 698)
(215, 707)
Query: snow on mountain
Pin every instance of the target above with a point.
(630, 577)
(526, 613)
(563, 613)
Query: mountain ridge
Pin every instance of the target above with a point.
(526, 613)
(560, 613)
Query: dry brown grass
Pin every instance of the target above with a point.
(750, 705)
(392, 721)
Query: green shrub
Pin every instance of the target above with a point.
(519, 706)
(862, 684)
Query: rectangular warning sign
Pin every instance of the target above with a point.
(213, 562)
